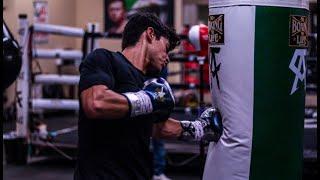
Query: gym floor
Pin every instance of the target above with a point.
(62, 169)
(58, 167)
(53, 169)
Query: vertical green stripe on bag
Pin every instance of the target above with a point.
(277, 147)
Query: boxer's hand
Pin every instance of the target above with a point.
(208, 126)
(156, 97)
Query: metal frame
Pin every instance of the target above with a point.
(24, 81)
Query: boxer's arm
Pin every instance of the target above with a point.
(208, 126)
(170, 129)
(100, 102)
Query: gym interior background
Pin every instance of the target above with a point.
(53, 158)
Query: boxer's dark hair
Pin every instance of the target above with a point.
(139, 22)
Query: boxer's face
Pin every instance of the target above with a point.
(158, 54)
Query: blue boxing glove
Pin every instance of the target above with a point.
(156, 97)
(207, 127)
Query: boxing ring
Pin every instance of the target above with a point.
(25, 103)
(25, 80)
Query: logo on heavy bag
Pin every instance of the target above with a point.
(216, 29)
(298, 31)
(298, 58)
(214, 67)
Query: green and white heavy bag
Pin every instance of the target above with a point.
(257, 54)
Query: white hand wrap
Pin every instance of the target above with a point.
(140, 103)
(193, 129)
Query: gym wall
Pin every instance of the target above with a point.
(76, 13)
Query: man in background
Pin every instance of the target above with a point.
(116, 10)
